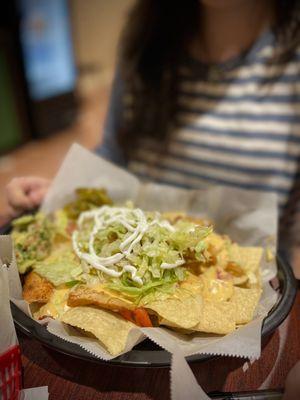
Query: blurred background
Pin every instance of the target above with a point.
(57, 61)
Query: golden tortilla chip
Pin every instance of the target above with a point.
(217, 318)
(183, 310)
(222, 258)
(84, 296)
(238, 274)
(174, 216)
(249, 259)
(109, 328)
(245, 301)
(37, 289)
(216, 242)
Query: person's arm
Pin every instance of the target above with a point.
(25, 193)
(109, 148)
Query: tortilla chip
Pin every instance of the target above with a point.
(208, 286)
(217, 318)
(37, 289)
(237, 273)
(222, 258)
(183, 310)
(111, 329)
(175, 216)
(215, 242)
(245, 301)
(84, 296)
(249, 259)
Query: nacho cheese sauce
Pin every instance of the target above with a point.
(135, 221)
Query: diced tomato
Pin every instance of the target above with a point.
(127, 314)
(142, 317)
(139, 316)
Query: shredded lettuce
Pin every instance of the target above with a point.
(71, 284)
(44, 244)
(149, 292)
(59, 272)
(61, 267)
(161, 244)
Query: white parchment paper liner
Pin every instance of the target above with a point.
(38, 393)
(248, 217)
(8, 337)
(183, 382)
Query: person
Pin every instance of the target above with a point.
(206, 92)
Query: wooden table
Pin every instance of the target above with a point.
(69, 378)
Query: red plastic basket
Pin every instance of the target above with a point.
(10, 374)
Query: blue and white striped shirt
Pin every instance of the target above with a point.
(238, 125)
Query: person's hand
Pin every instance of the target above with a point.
(26, 193)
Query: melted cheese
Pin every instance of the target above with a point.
(56, 306)
(209, 286)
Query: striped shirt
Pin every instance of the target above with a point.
(237, 124)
